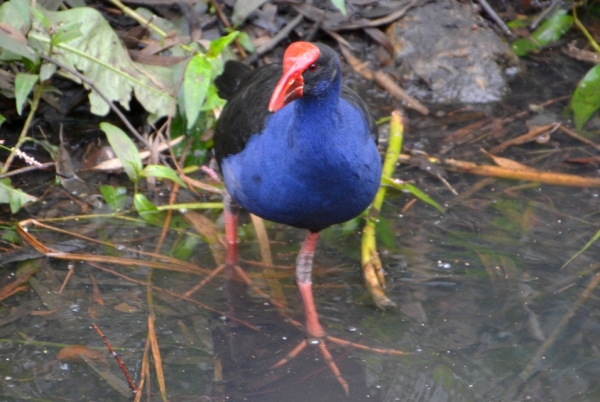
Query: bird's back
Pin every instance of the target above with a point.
(247, 92)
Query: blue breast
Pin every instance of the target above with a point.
(313, 165)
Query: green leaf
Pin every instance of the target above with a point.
(23, 85)
(586, 98)
(13, 41)
(351, 225)
(40, 17)
(125, 150)
(16, 14)
(340, 5)
(217, 45)
(10, 235)
(10, 195)
(246, 42)
(47, 71)
(23, 8)
(212, 99)
(184, 249)
(2, 120)
(410, 188)
(99, 55)
(162, 172)
(553, 28)
(587, 245)
(197, 79)
(522, 47)
(149, 213)
(143, 204)
(384, 234)
(550, 31)
(115, 198)
(67, 33)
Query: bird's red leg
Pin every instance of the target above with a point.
(231, 221)
(231, 253)
(231, 243)
(314, 329)
(304, 264)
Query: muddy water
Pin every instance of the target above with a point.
(486, 311)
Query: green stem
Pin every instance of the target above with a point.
(585, 32)
(143, 21)
(37, 94)
(370, 262)
(391, 160)
(191, 205)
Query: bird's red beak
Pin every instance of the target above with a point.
(297, 58)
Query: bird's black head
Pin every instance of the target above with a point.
(309, 69)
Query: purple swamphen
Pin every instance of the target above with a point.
(297, 147)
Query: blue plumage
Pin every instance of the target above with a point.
(310, 164)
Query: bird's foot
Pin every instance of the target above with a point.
(321, 343)
(318, 337)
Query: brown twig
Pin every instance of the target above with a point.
(494, 16)
(559, 179)
(388, 19)
(281, 35)
(380, 78)
(26, 169)
(117, 358)
(573, 134)
(532, 134)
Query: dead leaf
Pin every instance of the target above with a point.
(126, 308)
(74, 353)
(507, 163)
(97, 295)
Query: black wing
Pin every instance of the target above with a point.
(232, 78)
(248, 93)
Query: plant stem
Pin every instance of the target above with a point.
(585, 32)
(143, 21)
(37, 94)
(371, 264)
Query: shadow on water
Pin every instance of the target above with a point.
(481, 293)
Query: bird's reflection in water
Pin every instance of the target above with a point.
(246, 356)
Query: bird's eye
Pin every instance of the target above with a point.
(312, 68)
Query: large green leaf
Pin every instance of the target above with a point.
(16, 13)
(14, 23)
(10, 195)
(586, 98)
(98, 53)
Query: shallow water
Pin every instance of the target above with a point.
(486, 312)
